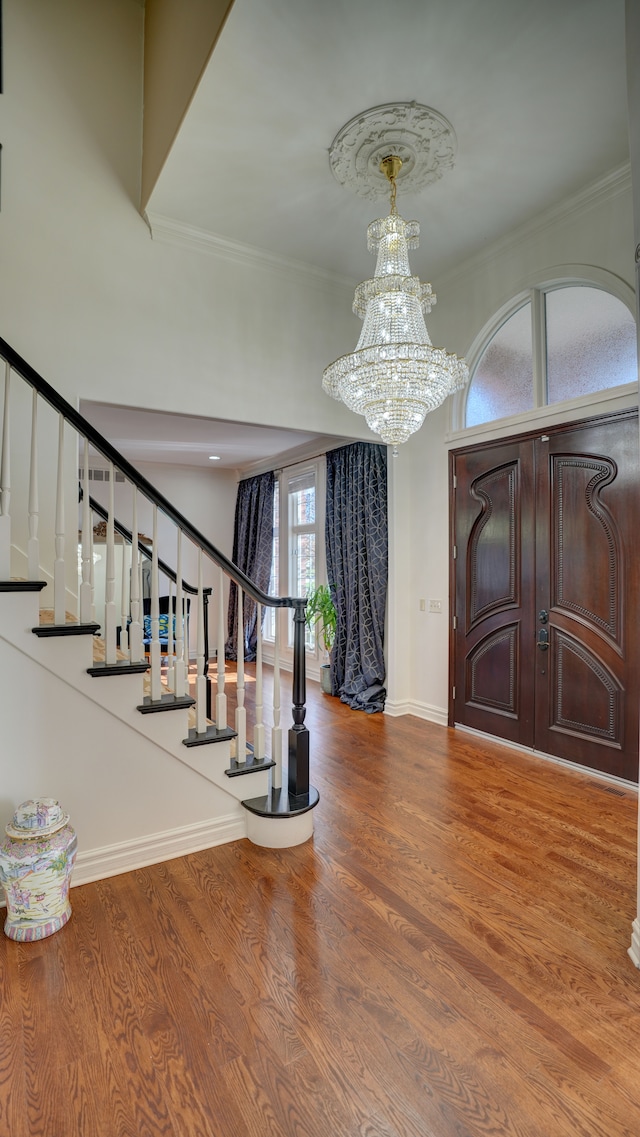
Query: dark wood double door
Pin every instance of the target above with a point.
(545, 652)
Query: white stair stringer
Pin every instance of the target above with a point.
(135, 794)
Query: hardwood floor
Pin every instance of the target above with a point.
(446, 958)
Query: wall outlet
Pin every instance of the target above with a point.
(435, 606)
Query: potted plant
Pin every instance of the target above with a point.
(321, 615)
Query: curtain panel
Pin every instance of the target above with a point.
(357, 570)
(252, 552)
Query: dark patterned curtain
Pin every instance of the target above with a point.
(357, 542)
(252, 552)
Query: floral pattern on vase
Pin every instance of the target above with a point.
(36, 860)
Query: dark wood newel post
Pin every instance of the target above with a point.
(298, 734)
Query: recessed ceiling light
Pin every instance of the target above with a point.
(214, 457)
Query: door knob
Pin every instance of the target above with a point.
(543, 639)
(543, 616)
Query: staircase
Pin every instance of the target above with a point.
(139, 753)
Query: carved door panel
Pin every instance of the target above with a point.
(547, 530)
(587, 520)
(495, 591)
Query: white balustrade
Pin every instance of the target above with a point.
(128, 608)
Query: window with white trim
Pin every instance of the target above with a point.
(564, 342)
(298, 525)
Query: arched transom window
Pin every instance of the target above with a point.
(565, 341)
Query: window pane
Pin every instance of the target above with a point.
(502, 382)
(303, 503)
(304, 572)
(591, 342)
(269, 623)
(304, 554)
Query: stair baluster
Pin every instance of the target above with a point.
(135, 627)
(180, 669)
(171, 659)
(92, 569)
(221, 698)
(33, 548)
(276, 730)
(59, 584)
(201, 683)
(86, 544)
(124, 602)
(258, 729)
(241, 713)
(110, 586)
(5, 481)
(156, 677)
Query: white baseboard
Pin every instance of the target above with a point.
(598, 775)
(421, 710)
(110, 860)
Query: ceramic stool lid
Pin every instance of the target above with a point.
(37, 818)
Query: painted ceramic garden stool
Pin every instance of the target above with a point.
(36, 859)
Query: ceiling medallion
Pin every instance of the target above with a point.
(422, 138)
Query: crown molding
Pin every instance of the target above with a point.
(170, 232)
(606, 188)
(307, 452)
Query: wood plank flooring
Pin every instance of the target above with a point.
(446, 958)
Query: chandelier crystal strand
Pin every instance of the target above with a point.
(395, 376)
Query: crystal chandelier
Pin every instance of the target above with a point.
(395, 376)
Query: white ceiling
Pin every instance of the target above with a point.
(535, 91)
(186, 440)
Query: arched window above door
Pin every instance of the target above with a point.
(562, 341)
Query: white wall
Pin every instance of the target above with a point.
(88, 298)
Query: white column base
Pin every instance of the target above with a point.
(280, 832)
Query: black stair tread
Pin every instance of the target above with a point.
(211, 734)
(22, 585)
(280, 803)
(44, 630)
(121, 667)
(251, 766)
(167, 702)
